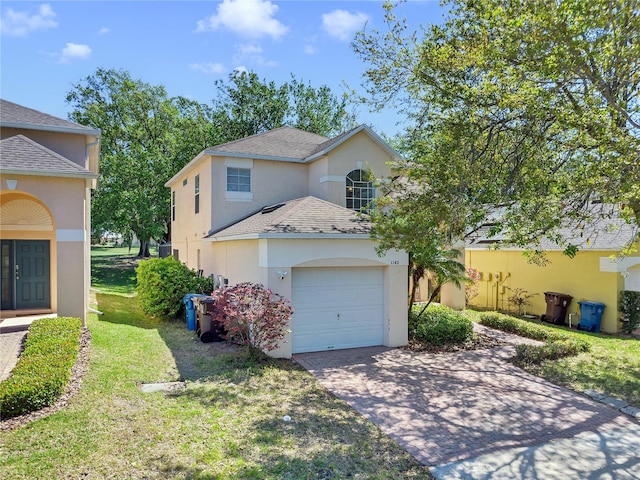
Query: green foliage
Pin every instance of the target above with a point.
(163, 282)
(440, 325)
(44, 367)
(247, 105)
(522, 108)
(146, 137)
(629, 306)
(557, 343)
(536, 354)
(520, 298)
(520, 327)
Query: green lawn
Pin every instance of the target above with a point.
(112, 269)
(226, 424)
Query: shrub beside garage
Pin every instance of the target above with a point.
(44, 368)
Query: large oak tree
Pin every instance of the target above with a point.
(526, 108)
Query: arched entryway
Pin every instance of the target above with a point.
(27, 240)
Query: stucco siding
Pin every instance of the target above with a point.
(579, 277)
(70, 146)
(271, 182)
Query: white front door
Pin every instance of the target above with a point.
(337, 308)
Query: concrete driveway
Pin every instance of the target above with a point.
(473, 415)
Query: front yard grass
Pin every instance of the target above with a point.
(226, 424)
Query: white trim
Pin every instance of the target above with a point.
(332, 178)
(296, 236)
(81, 130)
(238, 162)
(70, 235)
(238, 196)
(609, 264)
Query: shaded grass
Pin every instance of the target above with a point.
(226, 424)
(113, 270)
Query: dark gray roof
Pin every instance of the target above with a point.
(610, 234)
(306, 216)
(21, 155)
(13, 115)
(284, 142)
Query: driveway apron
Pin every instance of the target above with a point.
(473, 414)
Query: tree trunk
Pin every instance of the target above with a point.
(434, 294)
(144, 249)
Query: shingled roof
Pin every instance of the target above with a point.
(13, 115)
(308, 216)
(607, 234)
(20, 155)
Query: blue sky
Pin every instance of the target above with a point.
(46, 47)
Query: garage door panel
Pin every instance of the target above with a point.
(337, 308)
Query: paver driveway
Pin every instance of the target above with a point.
(450, 407)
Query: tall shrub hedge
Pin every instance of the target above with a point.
(163, 282)
(44, 367)
(440, 325)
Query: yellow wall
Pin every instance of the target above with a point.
(579, 277)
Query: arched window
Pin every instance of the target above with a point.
(360, 190)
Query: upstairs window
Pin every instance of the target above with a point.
(173, 205)
(238, 179)
(197, 193)
(360, 190)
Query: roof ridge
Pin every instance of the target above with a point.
(255, 135)
(47, 115)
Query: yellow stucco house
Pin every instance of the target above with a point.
(282, 208)
(595, 274)
(48, 167)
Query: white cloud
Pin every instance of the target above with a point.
(20, 24)
(241, 69)
(103, 31)
(208, 68)
(75, 51)
(252, 54)
(249, 18)
(342, 24)
(310, 49)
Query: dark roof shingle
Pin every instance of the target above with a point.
(17, 116)
(21, 155)
(307, 215)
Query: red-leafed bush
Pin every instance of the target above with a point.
(252, 315)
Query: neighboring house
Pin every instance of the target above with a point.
(282, 208)
(595, 274)
(48, 167)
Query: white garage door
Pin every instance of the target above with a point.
(337, 308)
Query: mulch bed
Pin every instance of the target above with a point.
(478, 342)
(78, 372)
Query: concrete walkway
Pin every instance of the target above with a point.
(12, 334)
(473, 415)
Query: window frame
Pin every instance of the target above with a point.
(355, 187)
(196, 190)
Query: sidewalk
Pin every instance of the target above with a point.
(12, 334)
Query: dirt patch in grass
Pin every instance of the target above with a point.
(478, 342)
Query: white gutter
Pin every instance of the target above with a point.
(296, 236)
(51, 128)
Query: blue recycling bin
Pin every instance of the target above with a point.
(590, 316)
(190, 309)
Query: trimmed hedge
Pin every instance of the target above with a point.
(162, 283)
(44, 367)
(440, 325)
(536, 354)
(557, 343)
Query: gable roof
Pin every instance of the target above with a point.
(20, 155)
(309, 217)
(13, 115)
(285, 144)
(604, 234)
